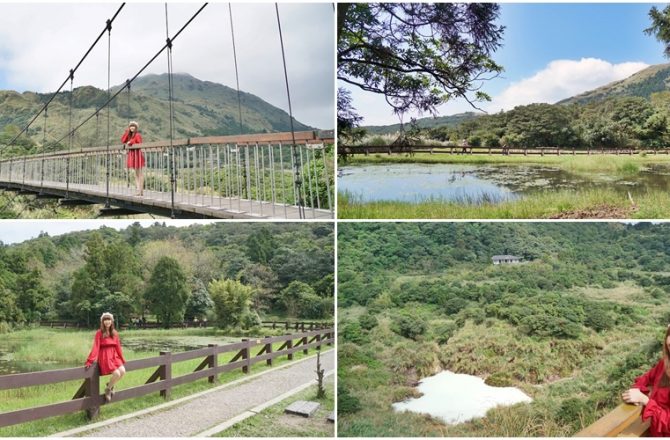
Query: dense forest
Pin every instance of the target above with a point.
(571, 326)
(229, 273)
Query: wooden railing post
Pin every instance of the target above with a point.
(165, 373)
(304, 343)
(213, 363)
(329, 336)
(289, 345)
(318, 340)
(93, 391)
(245, 356)
(268, 350)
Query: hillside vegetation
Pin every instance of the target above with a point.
(231, 274)
(202, 108)
(571, 326)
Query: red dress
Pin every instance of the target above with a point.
(658, 408)
(107, 351)
(135, 157)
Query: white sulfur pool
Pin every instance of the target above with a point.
(457, 398)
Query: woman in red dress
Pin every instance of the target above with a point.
(657, 402)
(107, 351)
(135, 160)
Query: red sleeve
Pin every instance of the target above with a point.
(119, 351)
(660, 417)
(93, 356)
(124, 138)
(649, 378)
(137, 139)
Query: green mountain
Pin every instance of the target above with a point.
(643, 83)
(202, 108)
(429, 122)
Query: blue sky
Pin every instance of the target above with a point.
(553, 51)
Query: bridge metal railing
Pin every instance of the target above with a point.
(251, 173)
(88, 398)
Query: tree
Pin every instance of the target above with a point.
(418, 55)
(167, 291)
(261, 246)
(199, 302)
(232, 302)
(300, 301)
(660, 27)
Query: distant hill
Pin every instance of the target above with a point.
(202, 108)
(429, 122)
(643, 83)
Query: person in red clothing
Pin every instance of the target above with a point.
(107, 352)
(132, 138)
(652, 390)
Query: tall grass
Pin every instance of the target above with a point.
(652, 205)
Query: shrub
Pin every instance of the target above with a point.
(408, 325)
(367, 321)
(346, 403)
(499, 380)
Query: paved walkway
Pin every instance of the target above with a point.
(214, 408)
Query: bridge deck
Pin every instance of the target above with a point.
(186, 204)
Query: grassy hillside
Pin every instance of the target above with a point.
(653, 79)
(202, 108)
(430, 122)
(571, 326)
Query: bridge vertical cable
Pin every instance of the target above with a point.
(173, 177)
(294, 150)
(70, 138)
(237, 77)
(44, 142)
(109, 93)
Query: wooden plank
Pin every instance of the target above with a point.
(43, 412)
(192, 354)
(20, 380)
(612, 423)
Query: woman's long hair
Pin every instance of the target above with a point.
(665, 380)
(112, 329)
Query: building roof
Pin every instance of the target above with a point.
(505, 257)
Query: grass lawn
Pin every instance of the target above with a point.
(272, 422)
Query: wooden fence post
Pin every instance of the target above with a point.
(93, 390)
(245, 356)
(213, 363)
(268, 350)
(318, 340)
(304, 343)
(289, 345)
(165, 373)
(329, 335)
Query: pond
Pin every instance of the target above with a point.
(456, 398)
(419, 182)
(151, 346)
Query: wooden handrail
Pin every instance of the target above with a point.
(301, 137)
(449, 149)
(622, 421)
(88, 399)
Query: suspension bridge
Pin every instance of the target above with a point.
(270, 175)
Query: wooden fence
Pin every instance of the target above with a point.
(286, 325)
(88, 398)
(345, 151)
(622, 421)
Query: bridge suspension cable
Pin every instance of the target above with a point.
(121, 89)
(71, 73)
(294, 150)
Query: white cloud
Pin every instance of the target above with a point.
(562, 79)
(39, 43)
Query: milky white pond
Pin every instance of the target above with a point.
(457, 398)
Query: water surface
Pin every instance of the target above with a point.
(457, 398)
(417, 182)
